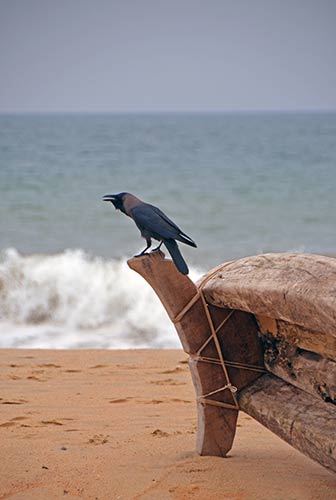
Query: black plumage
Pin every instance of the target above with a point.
(153, 223)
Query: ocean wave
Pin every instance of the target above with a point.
(72, 300)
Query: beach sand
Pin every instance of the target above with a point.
(103, 425)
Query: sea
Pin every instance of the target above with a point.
(238, 184)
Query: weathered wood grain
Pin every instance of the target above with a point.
(305, 338)
(296, 288)
(305, 369)
(297, 417)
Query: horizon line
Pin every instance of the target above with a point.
(172, 112)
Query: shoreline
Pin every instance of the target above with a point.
(121, 424)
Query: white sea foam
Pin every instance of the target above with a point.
(71, 300)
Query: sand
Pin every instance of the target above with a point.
(103, 425)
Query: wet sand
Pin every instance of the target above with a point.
(103, 425)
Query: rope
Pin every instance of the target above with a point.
(199, 292)
(189, 305)
(232, 388)
(203, 346)
(213, 402)
(223, 363)
(219, 350)
(233, 364)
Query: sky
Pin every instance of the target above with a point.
(167, 55)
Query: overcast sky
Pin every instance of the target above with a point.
(167, 55)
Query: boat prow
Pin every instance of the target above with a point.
(261, 336)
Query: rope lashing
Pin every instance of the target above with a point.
(233, 364)
(220, 361)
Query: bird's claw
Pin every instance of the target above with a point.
(156, 249)
(141, 254)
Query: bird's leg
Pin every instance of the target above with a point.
(158, 247)
(149, 242)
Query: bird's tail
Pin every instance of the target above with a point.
(176, 255)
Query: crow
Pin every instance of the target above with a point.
(153, 223)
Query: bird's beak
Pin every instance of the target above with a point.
(109, 197)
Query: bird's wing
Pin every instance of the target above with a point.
(165, 218)
(182, 236)
(153, 220)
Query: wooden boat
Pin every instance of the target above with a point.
(261, 336)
